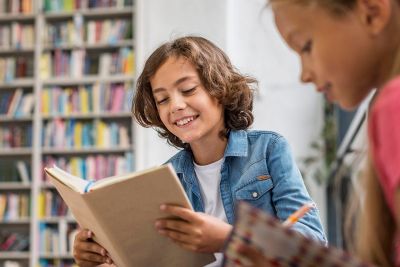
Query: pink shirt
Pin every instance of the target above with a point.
(384, 133)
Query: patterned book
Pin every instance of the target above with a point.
(281, 245)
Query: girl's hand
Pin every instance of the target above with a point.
(256, 258)
(88, 253)
(196, 231)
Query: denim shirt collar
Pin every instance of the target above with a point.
(237, 147)
(237, 144)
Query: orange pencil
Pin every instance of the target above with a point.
(298, 214)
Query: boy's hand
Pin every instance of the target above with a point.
(88, 253)
(196, 231)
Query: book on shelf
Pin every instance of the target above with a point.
(23, 172)
(280, 245)
(14, 206)
(15, 171)
(121, 212)
(11, 241)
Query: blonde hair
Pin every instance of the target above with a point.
(376, 225)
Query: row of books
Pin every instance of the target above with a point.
(12, 241)
(16, 6)
(12, 263)
(71, 133)
(68, 32)
(55, 263)
(50, 204)
(107, 31)
(16, 103)
(56, 238)
(92, 167)
(77, 63)
(15, 171)
(17, 36)
(70, 5)
(15, 67)
(15, 136)
(96, 98)
(14, 206)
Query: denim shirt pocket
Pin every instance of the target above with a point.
(255, 189)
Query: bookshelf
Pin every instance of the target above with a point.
(66, 84)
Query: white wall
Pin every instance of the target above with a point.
(245, 30)
(283, 104)
(159, 21)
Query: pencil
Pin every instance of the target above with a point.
(292, 219)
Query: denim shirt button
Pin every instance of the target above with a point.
(255, 194)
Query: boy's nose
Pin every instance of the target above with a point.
(177, 103)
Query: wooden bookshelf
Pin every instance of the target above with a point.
(46, 22)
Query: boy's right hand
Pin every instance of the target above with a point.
(87, 252)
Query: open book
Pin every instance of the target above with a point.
(279, 244)
(121, 212)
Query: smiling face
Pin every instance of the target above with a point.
(337, 52)
(184, 106)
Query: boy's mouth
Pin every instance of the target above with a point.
(186, 120)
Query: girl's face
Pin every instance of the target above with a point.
(184, 106)
(337, 53)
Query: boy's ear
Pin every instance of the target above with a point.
(374, 14)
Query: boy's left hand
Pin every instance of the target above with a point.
(196, 231)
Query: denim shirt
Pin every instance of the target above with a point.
(259, 168)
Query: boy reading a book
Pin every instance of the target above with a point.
(193, 96)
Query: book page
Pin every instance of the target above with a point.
(281, 245)
(119, 178)
(74, 182)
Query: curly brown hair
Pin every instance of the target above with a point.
(219, 77)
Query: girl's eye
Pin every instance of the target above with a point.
(307, 47)
(189, 91)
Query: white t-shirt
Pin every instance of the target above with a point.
(209, 177)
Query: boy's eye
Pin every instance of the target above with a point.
(162, 101)
(307, 47)
(189, 91)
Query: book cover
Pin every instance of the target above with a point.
(121, 212)
(279, 244)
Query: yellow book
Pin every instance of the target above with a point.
(84, 100)
(101, 133)
(45, 101)
(45, 66)
(129, 64)
(3, 205)
(41, 205)
(121, 212)
(78, 135)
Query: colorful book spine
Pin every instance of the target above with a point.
(93, 167)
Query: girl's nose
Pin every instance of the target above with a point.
(306, 75)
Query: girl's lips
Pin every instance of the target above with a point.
(326, 90)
